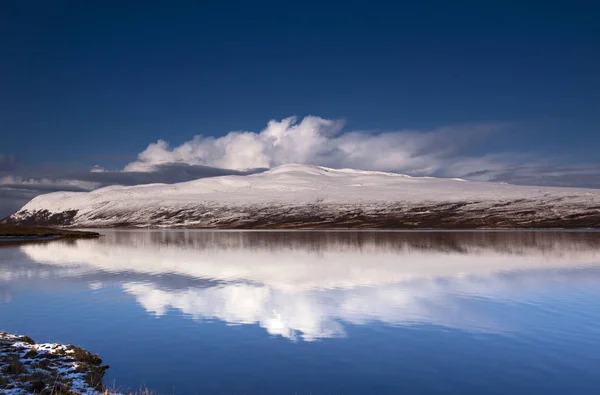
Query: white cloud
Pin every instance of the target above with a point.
(314, 314)
(318, 141)
(47, 183)
(98, 169)
(443, 152)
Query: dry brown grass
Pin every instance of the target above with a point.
(7, 230)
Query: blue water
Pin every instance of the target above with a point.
(192, 312)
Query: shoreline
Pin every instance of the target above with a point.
(16, 234)
(334, 229)
(27, 367)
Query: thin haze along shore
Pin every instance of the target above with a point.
(314, 197)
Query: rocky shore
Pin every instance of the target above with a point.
(27, 367)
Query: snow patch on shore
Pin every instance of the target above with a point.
(27, 367)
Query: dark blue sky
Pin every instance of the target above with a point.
(89, 82)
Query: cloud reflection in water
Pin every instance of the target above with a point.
(307, 285)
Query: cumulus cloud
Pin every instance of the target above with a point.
(312, 315)
(441, 152)
(318, 141)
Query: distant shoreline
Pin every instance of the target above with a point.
(24, 234)
(20, 233)
(348, 230)
(92, 228)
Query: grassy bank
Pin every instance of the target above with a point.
(27, 367)
(30, 368)
(40, 231)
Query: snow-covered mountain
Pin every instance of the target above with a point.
(300, 196)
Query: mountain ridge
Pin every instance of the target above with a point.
(304, 196)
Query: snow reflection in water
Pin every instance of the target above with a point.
(309, 285)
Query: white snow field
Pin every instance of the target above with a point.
(302, 196)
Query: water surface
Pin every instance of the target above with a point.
(189, 312)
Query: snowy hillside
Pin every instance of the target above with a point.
(293, 196)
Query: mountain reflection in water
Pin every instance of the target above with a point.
(309, 285)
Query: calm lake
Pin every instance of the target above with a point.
(198, 312)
